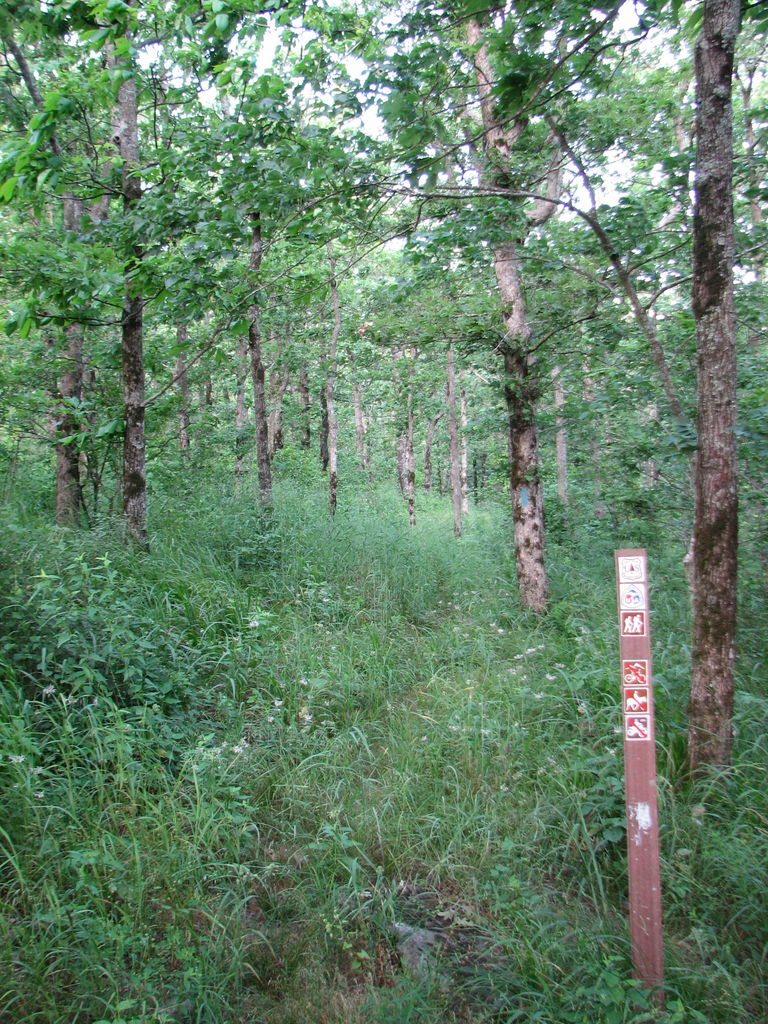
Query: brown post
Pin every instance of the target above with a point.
(645, 923)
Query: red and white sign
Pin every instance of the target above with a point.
(637, 727)
(636, 700)
(631, 569)
(634, 624)
(634, 673)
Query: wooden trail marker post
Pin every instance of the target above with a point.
(645, 924)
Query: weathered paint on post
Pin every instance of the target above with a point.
(645, 922)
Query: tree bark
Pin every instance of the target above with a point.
(180, 373)
(453, 444)
(263, 462)
(278, 385)
(561, 436)
(430, 440)
(361, 428)
(520, 391)
(241, 411)
(304, 405)
(710, 709)
(132, 346)
(69, 494)
(464, 460)
(330, 387)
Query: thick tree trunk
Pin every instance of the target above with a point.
(180, 373)
(430, 440)
(132, 348)
(521, 395)
(453, 444)
(263, 462)
(69, 495)
(710, 710)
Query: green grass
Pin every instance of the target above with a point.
(235, 768)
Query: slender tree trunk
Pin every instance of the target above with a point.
(132, 348)
(241, 411)
(180, 373)
(69, 495)
(304, 406)
(330, 387)
(278, 384)
(361, 428)
(561, 436)
(453, 444)
(257, 368)
(431, 426)
(710, 710)
(324, 426)
(464, 459)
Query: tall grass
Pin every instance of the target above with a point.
(236, 770)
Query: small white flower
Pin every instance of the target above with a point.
(424, 739)
(306, 717)
(270, 719)
(500, 630)
(504, 788)
(16, 758)
(303, 682)
(48, 691)
(519, 657)
(550, 677)
(254, 623)
(39, 795)
(531, 650)
(538, 696)
(277, 703)
(541, 647)
(559, 664)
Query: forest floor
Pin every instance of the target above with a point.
(292, 771)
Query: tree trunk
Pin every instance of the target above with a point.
(180, 373)
(306, 428)
(464, 453)
(453, 444)
(257, 368)
(69, 495)
(710, 709)
(431, 425)
(361, 429)
(278, 384)
(132, 347)
(521, 394)
(561, 436)
(324, 453)
(330, 387)
(241, 411)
